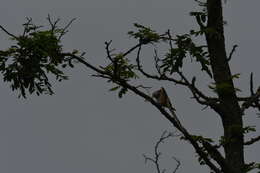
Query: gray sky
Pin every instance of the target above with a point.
(83, 127)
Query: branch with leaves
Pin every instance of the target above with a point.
(38, 60)
(187, 136)
(38, 52)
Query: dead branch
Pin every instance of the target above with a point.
(156, 158)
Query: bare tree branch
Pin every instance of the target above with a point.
(8, 33)
(232, 52)
(52, 22)
(251, 84)
(252, 140)
(156, 158)
(178, 164)
(197, 93)
(65, 29)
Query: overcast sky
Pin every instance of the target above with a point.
(83, 128)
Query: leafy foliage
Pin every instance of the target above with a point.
(121, 68)
(173, 60)
(144, 34)
(35, 53)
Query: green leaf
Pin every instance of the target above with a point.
(114, 88)
(122, 92)
(144, 34)
(236, 76)
(249, 129)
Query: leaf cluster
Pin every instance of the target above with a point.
(121, 68)
(174, 58)
(144, 34)
(34, 54)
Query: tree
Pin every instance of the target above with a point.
(37, 52)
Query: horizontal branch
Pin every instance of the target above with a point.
(252, 101)
(252, 140)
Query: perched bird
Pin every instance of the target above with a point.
(162, 98)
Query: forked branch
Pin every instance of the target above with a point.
(254, 99)
(156, 158)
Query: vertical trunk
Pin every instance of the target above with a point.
(232, 118)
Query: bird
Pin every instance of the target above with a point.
(162, 98)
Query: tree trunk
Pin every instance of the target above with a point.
(232, 115)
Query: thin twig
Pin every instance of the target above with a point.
(170, 38)
(156, 62)
(108, 51)
(64, 30)
(178, 164)
(251, 84)
(197, 94)
(232, 52)
(156, 158)
(253, 100)
(53, 24)
(8, 33)
(132, 49)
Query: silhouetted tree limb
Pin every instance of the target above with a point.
(185, 133)
(7, 32)
(252, 140)
(156, 158)
(232, 52)
(37, 52)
